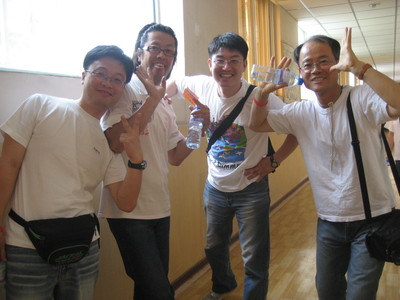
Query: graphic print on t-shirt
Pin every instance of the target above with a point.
(228, 151)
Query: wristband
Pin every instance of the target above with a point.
(364, 69)
(258, 103)
(1, 229)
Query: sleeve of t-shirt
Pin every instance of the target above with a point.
(390, 126)
(116, 170)
(124, 106)
(274, 102)
(194, 83)
(21, 124)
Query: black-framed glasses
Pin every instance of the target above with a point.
(115, 81)
(322, 64)
(157, 50)
(231, 62)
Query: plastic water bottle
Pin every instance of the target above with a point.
(194, 135)
(277, 76)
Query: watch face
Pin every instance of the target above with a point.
(274, 163)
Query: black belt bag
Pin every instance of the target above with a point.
(60, 241)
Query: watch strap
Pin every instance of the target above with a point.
(140, 166)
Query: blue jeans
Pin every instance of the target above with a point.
(144, 247)
(251, 208)
(2, 280)
(341, 249)
(29, 277)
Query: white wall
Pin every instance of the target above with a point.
(15, 87)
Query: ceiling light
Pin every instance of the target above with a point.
(374, 4)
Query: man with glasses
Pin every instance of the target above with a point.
(143, 235)
(237, 182)
(53, 158)
(322, 129)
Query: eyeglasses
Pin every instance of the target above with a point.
(117, 82)
(157, 50)
(230, 62)
(323, 64)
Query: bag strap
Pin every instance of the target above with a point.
(17, 218)
(220, 130)
(357, 153)
(390, 158)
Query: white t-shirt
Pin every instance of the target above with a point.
(160, 136)
(394, 126)
(239, 148)
(325, 140)
(67, 156)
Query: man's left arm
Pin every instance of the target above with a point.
(11, 159)
(178, 154)
(383, 86)
(264, 167)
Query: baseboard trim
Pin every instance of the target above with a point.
(177, 283)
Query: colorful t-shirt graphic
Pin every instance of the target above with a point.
(228, 151)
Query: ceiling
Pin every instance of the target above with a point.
(375, 27)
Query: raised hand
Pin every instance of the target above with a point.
(347, 59)
(130, 139)
(265, 88)
(156, 91)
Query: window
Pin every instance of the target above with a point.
(53, 36)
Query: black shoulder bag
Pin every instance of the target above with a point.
(384, 243)
(220, 130)
(60, 241)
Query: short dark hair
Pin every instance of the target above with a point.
(143, 37)
(333, 44)
(229, 40)
(109, 51)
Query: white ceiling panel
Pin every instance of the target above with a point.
(375, 23)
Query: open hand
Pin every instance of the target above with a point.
(262, 169)
(146, 77)
(266, 88)
(347, 57)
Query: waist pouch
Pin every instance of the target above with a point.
(60, 241)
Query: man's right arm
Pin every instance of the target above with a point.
(113, 133)
(11, 160)
(172, 88)
(156, 93)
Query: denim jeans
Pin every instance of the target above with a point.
(251, 208)
(144, 247)
(341, 249)
(2, 280)
(28, 277)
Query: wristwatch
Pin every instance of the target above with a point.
(274, 163)
(139, 166)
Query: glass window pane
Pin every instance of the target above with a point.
(53, 36)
